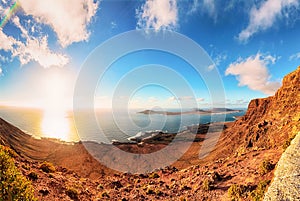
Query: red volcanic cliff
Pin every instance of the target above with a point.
(269, 122)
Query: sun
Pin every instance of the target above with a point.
(55, 123)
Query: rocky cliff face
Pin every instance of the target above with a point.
(270, 122)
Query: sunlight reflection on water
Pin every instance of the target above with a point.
(56, 125)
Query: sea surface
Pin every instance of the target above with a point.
(102, 125)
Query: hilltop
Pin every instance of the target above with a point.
(241, 166)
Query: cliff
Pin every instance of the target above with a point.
(269, 123)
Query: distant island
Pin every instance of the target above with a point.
(194, 111)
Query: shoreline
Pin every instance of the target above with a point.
(199, 112)
(59, 152)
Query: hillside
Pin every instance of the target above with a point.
(240, 167)
(269, 123)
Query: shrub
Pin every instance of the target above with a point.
(207, 185)
(287, 143)
(259, 192)
(154, 175)
(26, 166)
(47, 167)
(236, 191)
(266, 166)
(13, 185)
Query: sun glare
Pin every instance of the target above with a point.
(55, 123)
(55, 90)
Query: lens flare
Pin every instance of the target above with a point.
(9, 14)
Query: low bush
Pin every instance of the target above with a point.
(154, 175)
(259, 192)
(266, 166)
(237, 192)
(207, 185)
(13, 185)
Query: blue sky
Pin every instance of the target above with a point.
(43, 44)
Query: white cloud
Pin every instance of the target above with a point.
(210, 7)
(200, 99)
(194, 7)
(295, 56)
(253, 72)
(171, 99)
(158, 14)
(0, 70)
(211, 67)
(31, 49)
(6, 42)
(264, 17)
(68, 22)
(217, 61)
(38, 50)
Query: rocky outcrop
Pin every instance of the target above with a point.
(269, 122)
(286, 182)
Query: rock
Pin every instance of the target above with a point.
(269, 122)
(286, 182)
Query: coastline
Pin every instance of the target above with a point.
(59, 152)
(197, 112)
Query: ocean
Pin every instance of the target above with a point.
(108, 126)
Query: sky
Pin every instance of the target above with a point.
(44, 44)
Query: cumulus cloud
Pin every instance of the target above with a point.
(0, 70)
(6, 42)
(31, 44)
(264, 17)
(30, 48)
(158, 14)
(36, 49)
(295, 56)
(68, 22)
(253, 72)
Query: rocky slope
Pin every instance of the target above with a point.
(269, 123)
(286, 182)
